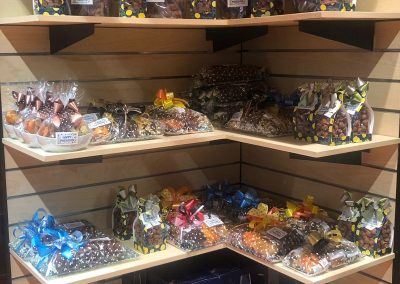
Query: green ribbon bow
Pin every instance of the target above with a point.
(358, 93)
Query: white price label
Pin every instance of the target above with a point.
(277, 233)
(73, 225)
(99, 122)
(66, 138)
(212, 220)
(237, 3)
(82, 2)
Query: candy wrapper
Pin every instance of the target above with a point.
(67, 253)
(132, 8)
(65, 129)
(175, 118)
(149, 231)
(125, 213)
(263, 8)
(51, 7)
(101, 8)
(271, 122)
(116, 123)
(192, 230)
(232, 9)
(203, 9)
(324, 5)
(362, 115)
(175, 9)
(374, 233)
(23, 234)
(332, 123)
(303, 117)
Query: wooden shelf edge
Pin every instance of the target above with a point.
(285, 144)
(280, 20)
(174, 254)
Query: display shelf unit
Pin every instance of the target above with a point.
(174, 254)
(281, 20)
(286, 144)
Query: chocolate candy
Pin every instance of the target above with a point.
(262, 8)
(95, 8)
(132, 8)
(360, 122)
(50, 7)
(203, 9)
(85, 227)
(175, 9)
(228, 9)
(375, 241)
(306, 261)
(324, 5)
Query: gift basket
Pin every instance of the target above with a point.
(262, 8)
(125, 212)
(117, 122)
(362, 115)
(302, 6)
(65, 129)
(175, 117)
(149, 231)
(191, 229)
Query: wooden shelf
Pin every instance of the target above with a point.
(281, 20)
(286, 144)
(364, 263)
(173, 254)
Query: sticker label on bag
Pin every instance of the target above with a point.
(90, 117)
(277, 233)
(324, 263)
(82, 2)
(73, 225)
(212, 220)
(98, 123)
(237, 3)
(66, 138)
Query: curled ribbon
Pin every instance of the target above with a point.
(306, 209)
(167, 100)
(261, 217)
(186, 213)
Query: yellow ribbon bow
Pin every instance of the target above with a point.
(261, 217)
(307, 209)
(167, 100)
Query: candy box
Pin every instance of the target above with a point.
(263, 8)
(149, 231)
(332, 124)
(132, 8)
(125, 212)
(361, 113)
(324, 5)
(51, 7)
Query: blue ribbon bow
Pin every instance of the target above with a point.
(243, 200)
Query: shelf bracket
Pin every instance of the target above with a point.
(355, 33)
(82, 161)
(352, 158)
(62, 36)
(227, 37)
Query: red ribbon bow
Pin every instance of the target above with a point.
(187, 213)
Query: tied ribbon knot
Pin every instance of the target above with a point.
(305, 210)
(149, 210)
(261, 217)
(358, 93)
(243, 200)
(126, 199)
(186, 213)
(167, 100)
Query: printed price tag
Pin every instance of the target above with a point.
(277, 233)
(73, 225)
(82, 2)
(66, 138)
(237, 3)
(98, 123)
(212, 220)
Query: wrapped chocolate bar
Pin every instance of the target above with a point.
(232, 9)
(87, 229)
(101, 8)
(203, 9)
(149, 231)
(65, 130)
(332, 123)
(302, 6)
(175, 118)
(51, 7)
(348, 219)
(374, 233)
(303, 117)
(23, 234)
(175, 9)
(270, 122)
(132, 8)
(125, 212)
(68, 253)
(362, 115)
(262, 8)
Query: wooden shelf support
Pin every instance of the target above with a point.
(351, 158)
(358, 33)
(62, 36)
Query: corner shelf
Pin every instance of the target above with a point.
(286, 144)
(173, 254)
